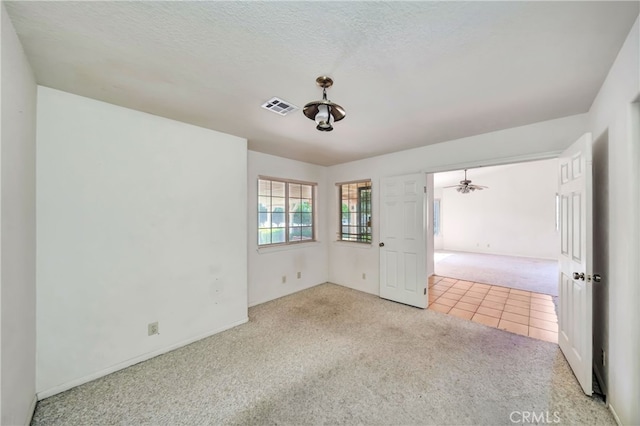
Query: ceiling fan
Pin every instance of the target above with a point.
(466, 186)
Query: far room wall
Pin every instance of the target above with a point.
(268, 265)
(515, 216)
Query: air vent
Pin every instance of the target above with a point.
(279, 106)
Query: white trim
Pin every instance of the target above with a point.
(296, 290)
(615, 415)
(493, 162)
(273, 248)
(128, 363)
(32, 409)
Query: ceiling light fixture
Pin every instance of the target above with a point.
(324, 112)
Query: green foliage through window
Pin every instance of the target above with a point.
(285, 212)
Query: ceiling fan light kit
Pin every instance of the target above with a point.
(324, 112)
(465, 186)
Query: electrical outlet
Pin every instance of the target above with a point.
(284, 279)
(153, 328)
(299, 275)
(364, 276)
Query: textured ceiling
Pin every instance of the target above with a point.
(408, 73)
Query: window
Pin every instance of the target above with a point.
(286, 212)
(355, 211)
(436, 216)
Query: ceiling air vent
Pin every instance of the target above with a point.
(279, 106)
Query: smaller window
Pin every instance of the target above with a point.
(436, 216)
(355, 211)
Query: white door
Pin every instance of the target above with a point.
(402, 240)
(575, 295)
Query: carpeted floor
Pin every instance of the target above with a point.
(522, 273)
(331, 355)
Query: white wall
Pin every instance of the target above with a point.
(140, 219)
(515, 216)
(268, 265)
(535, 141)
(18, 231)
(613, 112)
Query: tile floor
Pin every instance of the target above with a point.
(522, 312)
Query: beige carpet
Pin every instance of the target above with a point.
(330, 355)
(522, 273)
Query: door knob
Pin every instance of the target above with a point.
(578, 276)
(381, 244)
(597, 278)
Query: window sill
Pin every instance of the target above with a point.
(354, 244)
(286, 247)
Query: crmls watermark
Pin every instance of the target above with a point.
(533, 417)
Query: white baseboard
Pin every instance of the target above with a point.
(128, 363)
(286, 293)
(32, 409)
(615, 415)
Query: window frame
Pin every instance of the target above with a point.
(361, 237)
(437, 217)
(287, 211)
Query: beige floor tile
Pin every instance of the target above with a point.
(494, 298)
(494, 305)
(460, 286)
(471, 299)
(482, 286)
(520, 292)
(461, 313)
(460, 291)
(472, 307)
(499, 289)
(445, 301)
(514, 327)
(486, 320)
(449, 280)
(545, 325)
(436, 292)
(440, 308)
(519, 297)
(543, 316)
(520, 319)
(497, 313)
(452, 296)
(547, 335)
(543, 308)
(441, 287)
(516, 310)
(475, 294)
(519, 303)
(541, 296)
(463, 282)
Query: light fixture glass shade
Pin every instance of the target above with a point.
(324, 118)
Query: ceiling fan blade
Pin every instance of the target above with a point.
(452, 186)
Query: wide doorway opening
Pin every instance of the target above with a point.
(495, 239)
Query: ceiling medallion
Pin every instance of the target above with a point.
(324, 112)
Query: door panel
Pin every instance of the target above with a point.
(402, 231)
(575, 295)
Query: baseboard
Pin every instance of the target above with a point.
(128, 363)
(32, 409)
(615, 415)
(296, 290)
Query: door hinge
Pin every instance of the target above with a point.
(425, 189)
(425, 291)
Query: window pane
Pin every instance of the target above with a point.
(277, 189)
(355, 211)
(285, 212)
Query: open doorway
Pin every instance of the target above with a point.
(495, 246)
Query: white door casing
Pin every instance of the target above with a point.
(403, 240)
(575, 259)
